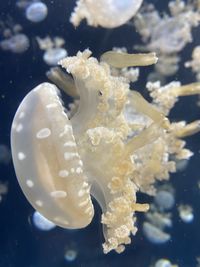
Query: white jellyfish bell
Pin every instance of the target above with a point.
(53, 51)
(108, 14)
(54, 55)
(36, 12)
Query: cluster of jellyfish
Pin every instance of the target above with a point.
(167, 35)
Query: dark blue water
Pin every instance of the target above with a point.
(21, 243)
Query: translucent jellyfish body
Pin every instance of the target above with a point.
(186, 213)
(108, 14)
(54, 55)
(170, 35)
(154, 234)
(167, 35)
(70, 255)
(164, 263)
(5, 155)
(60, 162)
(17, 43)
(41, 222)
(53, 50)
(36, 12)
(164, 199)
(13, 39)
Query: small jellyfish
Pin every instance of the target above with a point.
(5, 155)
(36, 12)
(186, 213)
(154, 234)
(14, 40)
(164, 199)
(103, 13)
(3, 189)
(52, 56)
(53, 50)
(70, 255)
(164, 263)
(41, 222)
(18, 43)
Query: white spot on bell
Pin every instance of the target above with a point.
(63, 173)
(43, 133)
(21, 156)
(58, 194)
(30, 183)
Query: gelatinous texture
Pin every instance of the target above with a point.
(47, 162)
(116, 142)
(36, 12)
(108, 14)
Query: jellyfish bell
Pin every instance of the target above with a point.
(108, 14)
(17, 43)
(164, 199)
(41, 222)
(53, 55)
(36, 12)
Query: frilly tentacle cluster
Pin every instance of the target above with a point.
(125, 146)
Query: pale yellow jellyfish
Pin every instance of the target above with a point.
(115, 144)
(105, 13)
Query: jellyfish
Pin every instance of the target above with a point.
(3, 189)
(164, 263)
(186, 213)
(194, 64)
(14, 40)
(164, 199)
(103, 13)
(70, 255)
(53, 50)
(41, 222)
(167, 35)
(154, 234)
(61, 160)
(36, 12)
(5, 155)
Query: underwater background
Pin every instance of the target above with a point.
(21, 243)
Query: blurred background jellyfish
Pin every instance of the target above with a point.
(167, 34)
(13, 40)
(53, 49)
(154, 234)
(164, 199)
(164, 263)
(186, 213)
(35, 10)
(41, 222)
(3, 189)
(108, 14)
(159, 216)
(70, 255)
(5, 155)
